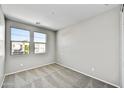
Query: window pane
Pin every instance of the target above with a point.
(39, 48)
(39, 37)
(19, 41)
(20, 48)
(19, 35)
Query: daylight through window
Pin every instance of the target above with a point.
(19, 41)
(39, 42)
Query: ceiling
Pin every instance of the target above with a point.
(53, 16)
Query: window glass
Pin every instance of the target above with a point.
(39, 37)
(19, 41)
(39, 42)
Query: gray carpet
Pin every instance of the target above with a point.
(52, 76)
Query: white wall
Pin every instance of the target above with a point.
(122, 48)
(13, 62)
(92, 46)
(2, 46)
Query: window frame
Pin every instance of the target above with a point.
(40, 43)
(19, 41)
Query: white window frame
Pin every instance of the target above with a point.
(18, 41)
(40, 43)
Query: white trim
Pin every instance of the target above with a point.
(2, 81)
(29, 68)
(89, 75)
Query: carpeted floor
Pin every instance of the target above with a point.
(52, 76)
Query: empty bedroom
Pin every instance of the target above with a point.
(61, 46)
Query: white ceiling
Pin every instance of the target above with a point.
(53, 16)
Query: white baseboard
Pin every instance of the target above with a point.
(63, 66)
(89, 75)
(29, 68)
(2, 81)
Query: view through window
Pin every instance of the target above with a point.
(39, 42)
(19, 41)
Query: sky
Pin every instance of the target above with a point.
(24, 35)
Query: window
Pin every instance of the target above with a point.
(39, 42)
(19, 41)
